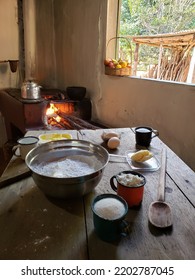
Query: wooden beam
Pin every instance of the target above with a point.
(170, 40)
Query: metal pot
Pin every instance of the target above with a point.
(76, 93)
(30, 90)
(58, 151)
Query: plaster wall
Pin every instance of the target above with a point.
(9, 49)
(69, 43)
(167, 107)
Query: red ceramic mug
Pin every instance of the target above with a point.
(130, 186)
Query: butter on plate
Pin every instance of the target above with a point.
(141, 156)
(43, 138)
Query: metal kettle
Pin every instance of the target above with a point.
(30, 90)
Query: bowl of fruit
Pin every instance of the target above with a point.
(120, 66)
(116, 67)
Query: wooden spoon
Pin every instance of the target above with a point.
(159, 211)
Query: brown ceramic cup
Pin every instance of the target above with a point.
(133, 194)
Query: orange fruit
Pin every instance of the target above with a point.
(123, 63)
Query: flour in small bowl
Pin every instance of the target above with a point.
(109, 208)
(130, 180)
(65, 168)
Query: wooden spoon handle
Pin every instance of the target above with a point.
(161, 186)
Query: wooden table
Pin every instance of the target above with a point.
(33, 226)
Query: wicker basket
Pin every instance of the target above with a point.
(127, 71)
(118, 72)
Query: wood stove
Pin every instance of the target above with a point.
(21, 115)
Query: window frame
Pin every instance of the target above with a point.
(113, 27)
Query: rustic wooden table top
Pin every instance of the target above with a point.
(34, 226)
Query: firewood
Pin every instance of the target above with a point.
(77, 122)
(66, 123)
(82, 122)
(60, 123)
(71, 122)
(175, 66)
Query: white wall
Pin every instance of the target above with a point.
(9, 48)
(167, 107)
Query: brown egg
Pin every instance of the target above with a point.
(107, 135)
(113, 143)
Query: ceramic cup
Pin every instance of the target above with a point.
(131, 190)
(144, 135)
(25, 144)
(109, 211)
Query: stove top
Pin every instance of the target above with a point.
(46, 94)
(22, 114)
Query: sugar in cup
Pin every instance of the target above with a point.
(109, 212)
(130, 186)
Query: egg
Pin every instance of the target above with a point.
(113, 142)
(107, 135)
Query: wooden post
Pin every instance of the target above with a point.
(136, 55)
(191, 68)
(159, 60)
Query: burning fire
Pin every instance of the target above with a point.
(52, 110)
(52, 115)
(61, 116)
(55, 115)
(58, 118)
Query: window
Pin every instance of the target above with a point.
(162, 35)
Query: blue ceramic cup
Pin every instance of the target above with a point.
(109, 211)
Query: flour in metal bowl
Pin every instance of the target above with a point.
(67, 168)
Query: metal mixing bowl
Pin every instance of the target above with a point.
(57, 151)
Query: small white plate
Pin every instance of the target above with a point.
(151, 164)
(47, 137)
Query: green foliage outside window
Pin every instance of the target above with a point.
(152, 17)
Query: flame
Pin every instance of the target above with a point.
(52, 110)
(52, 113)
(58, 118)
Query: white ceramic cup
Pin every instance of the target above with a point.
(25, 144)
